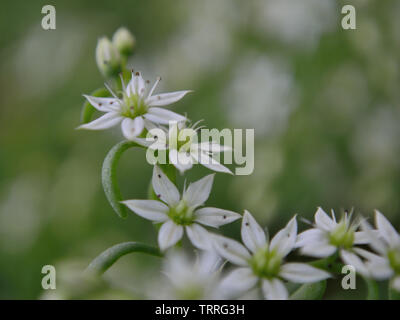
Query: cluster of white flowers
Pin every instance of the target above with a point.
(259, 263)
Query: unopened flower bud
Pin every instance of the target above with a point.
(108, 58)
(124, 41)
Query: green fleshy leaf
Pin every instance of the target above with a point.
(109, 176)
(310, 291)
(108, 257)
(88, 109)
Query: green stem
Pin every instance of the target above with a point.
(109, 176)
(372, 289)
(108, 257)
(393, 294)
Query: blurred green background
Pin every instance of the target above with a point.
(324, 103)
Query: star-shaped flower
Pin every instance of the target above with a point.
(190, 279)
(386, 243)
(183, 147)
(262, 261)
(178, 213)
(329, 236)
(137, 106)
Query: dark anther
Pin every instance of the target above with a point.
(159, 175)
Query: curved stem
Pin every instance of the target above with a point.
(108, 257)
(109, 176)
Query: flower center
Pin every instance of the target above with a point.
(394, 259)
(266, 263)
(181, 214)
(342, 236)
(133, 106)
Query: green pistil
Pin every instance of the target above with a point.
(394, 259)
(181, 214)
(133, 106)
(342, 236)
(266, 263)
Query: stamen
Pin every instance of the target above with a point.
(122, 81)
(112, 92)
(154, 86)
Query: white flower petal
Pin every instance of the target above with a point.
(361, 237)
(320, 249)
(380, 269)
(309, 237)
(302, 273)
(349, 258)
(368, 255)
(164, 188)
(199, 237)
(274, 289)
(374, 240)
(210, 162)
(108, 120)
(231, 250)
(131, 128)
(164, 99)
(180, 160)
(169, 234)
(323, 221)
(253, 235)
(137, 85)
(285, 239)
(238, 281)
(386, 229)
(149, 209)
(198, 192)
(162, 116)
(215, 217)
(104, 104)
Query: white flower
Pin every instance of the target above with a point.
(183, 147)
(386, 242)
(263, 261)
(188, 279)
(329, 236)
(178, 213)
(137, 107)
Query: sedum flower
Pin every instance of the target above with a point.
(183, 147)
(329, 236)
(137, 107)
(108, 58)
(189, 279)
(178, 213)
(124, 41)
(262, 261)
(386, 243)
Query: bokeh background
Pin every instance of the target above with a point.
(324, 103)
